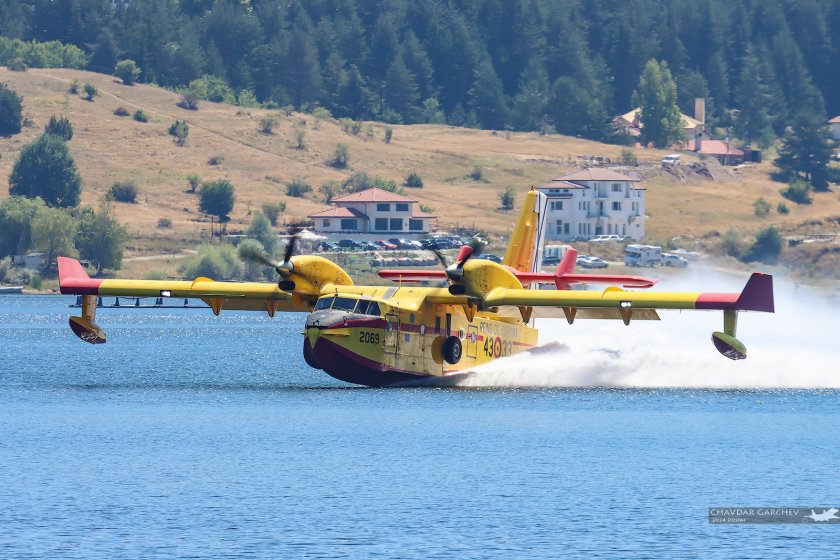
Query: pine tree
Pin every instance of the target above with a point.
(806, 151)
(400, 93)
(487, 99)
(529, 104)
(302, 72)
(753, 121)
(657, 98)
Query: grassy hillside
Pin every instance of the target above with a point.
(109, 148)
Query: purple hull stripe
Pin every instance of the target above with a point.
(346, 366)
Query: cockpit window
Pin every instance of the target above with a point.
(362, 309)
(373, 309)
(345, 304)
(324, 303)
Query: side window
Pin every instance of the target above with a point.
(373, 309)
(362, 308)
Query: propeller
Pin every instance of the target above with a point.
(284, 268)
(455, 272)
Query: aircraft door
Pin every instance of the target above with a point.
(472, 341)
(392, 333)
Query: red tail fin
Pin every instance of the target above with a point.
(566, 266)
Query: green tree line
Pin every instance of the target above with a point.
(520, 64)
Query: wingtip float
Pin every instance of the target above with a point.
(381, 335)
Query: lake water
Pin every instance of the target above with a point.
(188, 435)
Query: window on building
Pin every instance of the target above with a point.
(326, 223)
(556, 204)
(566, 228)
(383, 207)
(616, 187)
(558, 226)
(348, 224)
(396, 224)
(415, 225)
(402, 207)
(380, 224)
(616, 205)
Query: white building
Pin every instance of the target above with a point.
(373, 211)
(834, 124)
(594, 202)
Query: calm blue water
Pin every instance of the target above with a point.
(188, 435)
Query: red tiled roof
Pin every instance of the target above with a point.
(340, 213)
(596, 174)
(419, 214)
(373, 195)
(719, 148)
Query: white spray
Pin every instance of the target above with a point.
(797, 347)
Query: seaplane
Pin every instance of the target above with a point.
(409, 333)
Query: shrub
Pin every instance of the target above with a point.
(628, 157)
(218, 263)
(320, 113)
(215, 160)
(298, 187)
(17, 65)
(272, 211)
(179, 130)
(246, 98)
(507, 197)
(761, 208)
(193, 180)
(123, 192)
(164, 223)
(767, 246)
(782, 208)
(300, 138)
(369, 133)
(426, 209)
(212, 88)
(476, 174)
(732, 243)
(90, 91)
(413, 181)
(121, 112)
(141, 116)
(267, 124)
(59, 127)
(797, 191)
(355, 128)
(341, 157)
(74, 87)
(389, 133)
(189, 101)
(11, 111)
(127, 71)
(330, 189)
(362, 181)
(35, 282)
(345, 124)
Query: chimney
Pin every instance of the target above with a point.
(700, 109)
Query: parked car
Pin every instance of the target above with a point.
(369, 246)
(605, 238)
(348, 244)
(671, 160)
(491, 257)
(327, 247)
(582, 259)
(642, 255)
(670, 259)
(384, 245)
(594, 262)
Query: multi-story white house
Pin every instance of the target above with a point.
(594, 202)
(373, 211)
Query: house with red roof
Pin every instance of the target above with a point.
(595, 201)
(834, 125)
(720, 149)
(373, 211)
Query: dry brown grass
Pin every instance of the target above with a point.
(108, 148)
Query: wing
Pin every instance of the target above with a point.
(756, 296)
